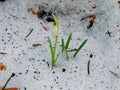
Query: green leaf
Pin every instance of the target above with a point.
(88, 67)
(80, 47)
(63, 47)
(68, 41)
(51, 49)
(57, 56)
(67, 56)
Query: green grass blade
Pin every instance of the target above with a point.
(54, 52)
(57, 56)
(51, 49)
(80, 47)
(29, 33)
(68, 41)
(63, 47)
(88, 67)
(67, 56)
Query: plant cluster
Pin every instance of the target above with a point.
(65, 46)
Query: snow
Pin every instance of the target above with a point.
(32, 65)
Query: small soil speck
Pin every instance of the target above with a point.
(53, 72)
(91, 55)
(25, 88)
(63, 70)
(118, 2)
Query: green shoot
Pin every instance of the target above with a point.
(53, 50)
(67, 56)
(68, 41)
(29, 33)
(88, 67)
(8, 81)
(64, 49)
(80, 47)
(65, 46)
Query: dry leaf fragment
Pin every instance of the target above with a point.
(12, 88)
(2, 67)
(33, 11)
(3, 53)
(35, 45)
(43, 27)
(91, 22)
(93, 16)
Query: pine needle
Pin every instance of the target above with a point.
(29, 33)
(80, 47)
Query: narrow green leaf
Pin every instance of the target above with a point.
(51, 49)
(68, 41)
(63, 47)
(80, 47)
(57, 56)
(67, 56)
(88, 67)
(29, 33)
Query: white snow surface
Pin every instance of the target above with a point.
(32, 65)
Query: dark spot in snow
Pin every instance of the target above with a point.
(109, 33)
(5, 43)
(45, 86)
(40, 14)
(102, 82)
(26, 71)
(47, 63)
(90, 24)
(75, 71)
(2, 39)
(35, 71)
(25, 88)
(76, 67)
(43, 60)
(51, 87)
(53, 72)
(50, 19)
(117, 66)
(60, 87)
(45, 14)
(91, 55)
(56, 82)
(20, 73)
(6, 29)
(83, 10)
(63, 70)
(118, 2)
(57, 77)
